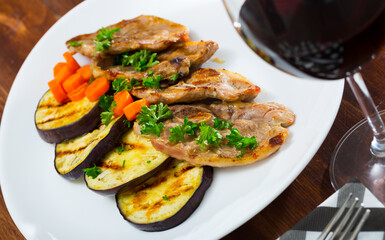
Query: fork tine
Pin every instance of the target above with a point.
(351, 223)
(359, 225)
(335, 218)
(344, 220)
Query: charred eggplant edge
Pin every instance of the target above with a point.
(133, 182)
(99, 151)
(85, 124)
(183, 213)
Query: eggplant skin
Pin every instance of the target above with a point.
(99, 151)
(183, 213)
(75, 126)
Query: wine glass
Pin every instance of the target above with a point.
(325, 39)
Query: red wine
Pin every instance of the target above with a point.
(325, 39)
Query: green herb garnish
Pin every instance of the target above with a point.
(178, 132)
(91, 80)
(152, 81)
(75, 44)
(120, 84)
(107, 115)
(121, 148)
(165, 197)
(174, 77)
(127, 123)
(140, 60)
(124, 162)
(241, 142)
(222, 124)
(150, 118)
(103, 39)
(208, 136)
(148, 161)
(93, 171)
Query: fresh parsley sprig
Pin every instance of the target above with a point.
(208, 136)
(178, 132)
(150, 118)
(92, 171)
(152, 81)
(107, 103)
(240, 142)
(222, 124)
(140, 60)
(103, 39)
(174, 77)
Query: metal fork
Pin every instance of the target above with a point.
(345, 221)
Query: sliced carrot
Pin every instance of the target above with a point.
(63, 74)
(72, 82)
(133, 109)
(57, 91)
(72, 64)
(79, 93)
(122, 99)
(85, 71)
(97, 88)
(58, 67)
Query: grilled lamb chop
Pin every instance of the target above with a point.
(202, 84)
(264, 121)
(143, 32)
(178, 58)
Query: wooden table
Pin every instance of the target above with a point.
(22, 23)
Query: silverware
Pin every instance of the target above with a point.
(347, 221)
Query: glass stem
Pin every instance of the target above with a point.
(366, 103)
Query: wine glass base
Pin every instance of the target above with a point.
(353, 158)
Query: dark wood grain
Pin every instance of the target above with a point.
(22, 23)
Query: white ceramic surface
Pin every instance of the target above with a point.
(46, 206)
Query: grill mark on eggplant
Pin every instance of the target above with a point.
(57, 118)
(63, 153)
(183, 170)
(50, 105)
(111, 165)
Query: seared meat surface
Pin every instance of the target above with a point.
(143, 32)
(178, 58)
(264, 121)
(202, 84)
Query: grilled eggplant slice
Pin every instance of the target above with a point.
(166, 200)
(73, 155)
(57, 122)
(133, 161)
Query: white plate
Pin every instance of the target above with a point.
(46, 206)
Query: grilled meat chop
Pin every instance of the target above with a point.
(264, 121)
(143, 32)
(178, 58)
(202, 84)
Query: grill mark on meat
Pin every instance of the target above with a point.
(277, 140)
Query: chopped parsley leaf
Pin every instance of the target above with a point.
(174, 77)
(127, 123)
(75, 44)
(152, 81)
(121, 149)
(165, 197)
(150, 118)
(92, 171)
(222, 124)
(140, 60)
(178, 132)
(103, 39)
(241, 142)
(105, 102)
(124, 162)
(149, 161)
(208, 136)
(107, 115)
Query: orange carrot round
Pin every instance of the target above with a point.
(72, 82)
(122, 99)
(57, 91)
(79, 93)
(85, 71)
(57, 68)
(133, 109)
(97, 88)
(72, 64)
(63, 74)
